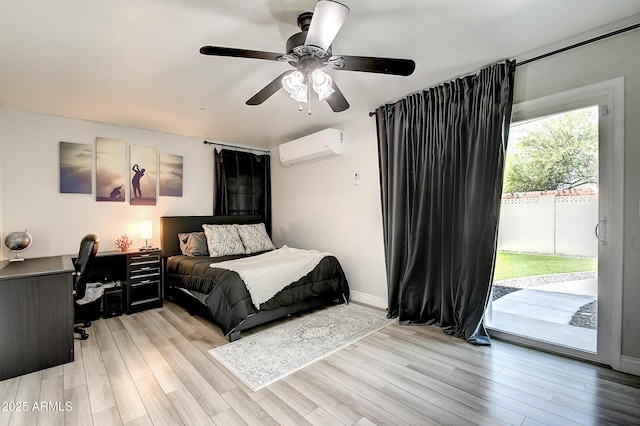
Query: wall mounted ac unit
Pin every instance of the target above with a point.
(323, 144)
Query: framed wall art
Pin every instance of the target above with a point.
(110, 171)
(143, 175)
(76, 165)
(170, 175)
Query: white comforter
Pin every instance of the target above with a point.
(268, 273)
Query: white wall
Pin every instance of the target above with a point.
(318, 205)
(29, 183)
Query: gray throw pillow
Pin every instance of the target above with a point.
(193, 244)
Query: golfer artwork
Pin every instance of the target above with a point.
(143, 176)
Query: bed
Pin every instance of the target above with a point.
(221, 295)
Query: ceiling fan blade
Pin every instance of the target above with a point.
(337, 101)
(327, 20)
(239, 53)
(267, 91)
(372, 64)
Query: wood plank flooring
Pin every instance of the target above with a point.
(152, 368)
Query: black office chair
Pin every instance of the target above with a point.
(88, 249)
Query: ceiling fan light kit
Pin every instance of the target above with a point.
(296, 84)
(310, 50)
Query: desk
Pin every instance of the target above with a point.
(139, 272)
(36, 314)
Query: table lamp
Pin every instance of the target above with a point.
(146, 232)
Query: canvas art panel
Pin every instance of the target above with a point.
(76, 165)
(110, 170)
(142, 175)
(171, 167)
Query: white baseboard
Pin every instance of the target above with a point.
(367, 299)
(629, 364)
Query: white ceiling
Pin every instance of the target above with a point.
(136, 62)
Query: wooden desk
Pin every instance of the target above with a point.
(36, 314)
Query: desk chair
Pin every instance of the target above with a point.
(88, 249)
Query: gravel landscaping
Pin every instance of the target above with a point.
(586, 316)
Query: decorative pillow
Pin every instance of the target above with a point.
(255, 238)
(193, 244)
(223, 240)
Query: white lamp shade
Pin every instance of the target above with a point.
(300, 94)
(292, 82)
(146, 229)
(322, 84)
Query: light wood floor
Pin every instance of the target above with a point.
(153, 368)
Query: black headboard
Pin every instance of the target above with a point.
(171, 226)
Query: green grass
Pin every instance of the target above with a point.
(516, 265)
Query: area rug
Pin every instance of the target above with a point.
(271, 354)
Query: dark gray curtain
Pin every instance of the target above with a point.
(441, 155)
(243, 184)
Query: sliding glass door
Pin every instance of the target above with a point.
(556, 283)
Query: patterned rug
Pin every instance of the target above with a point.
(269, 355)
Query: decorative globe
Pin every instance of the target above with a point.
(18, 242)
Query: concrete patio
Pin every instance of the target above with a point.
(543, 312)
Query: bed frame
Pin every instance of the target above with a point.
(171, 226)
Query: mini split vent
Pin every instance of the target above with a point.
(324, 144)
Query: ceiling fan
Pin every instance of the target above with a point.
(308, 52)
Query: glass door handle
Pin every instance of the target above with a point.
(601, 231)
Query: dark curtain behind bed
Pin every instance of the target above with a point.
(442, 154)
(243, 184)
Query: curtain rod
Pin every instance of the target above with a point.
(570, 47)
(236, 147)
(581, 43)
